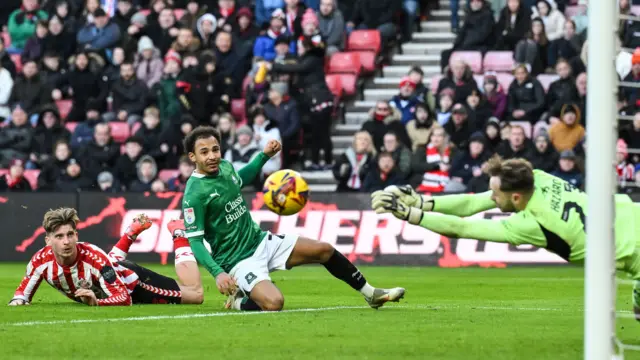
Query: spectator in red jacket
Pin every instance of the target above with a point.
(14, 181)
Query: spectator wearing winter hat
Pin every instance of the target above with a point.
(264, 46)
(459, 128)
(185, 169)
(148, 62)
(22, 23)
(467, 163)
(421, 126)
(107, 183)
(568, 171)
(496, 97)
(166, 90)
(16, 140)
(492, 134)
(633, 94)
(310, 24)
(206, 27)
(102, 34)
(624, 168)
(14, 180)
(331, 24)
(544, 156)
(568, 132)
(406, 100)
(244, 150)
(246, 31)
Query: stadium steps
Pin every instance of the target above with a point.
(423, 50)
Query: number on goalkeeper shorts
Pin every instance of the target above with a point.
(250, 277)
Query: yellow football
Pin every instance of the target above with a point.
(285, 192)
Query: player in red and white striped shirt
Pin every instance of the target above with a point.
(85, 273)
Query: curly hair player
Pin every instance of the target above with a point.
(549, 213)
(85, 273)
(242, 254)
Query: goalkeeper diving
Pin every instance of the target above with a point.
(549, 213)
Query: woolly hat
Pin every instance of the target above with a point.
(635, 58)
(173, 56)
(139, 18)
(145, 43)
(245, 11)
(309, 17)
(244, 130)
(278, 14)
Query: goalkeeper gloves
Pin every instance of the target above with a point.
(386, 202)
(410, 197)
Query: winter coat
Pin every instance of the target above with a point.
(160, 37)
(564, 49)
(562, 91)
(407, 107)
(63, 44)
(459, 136)
(528, 96)
(402, 158)
(33, 49)
(231, 67)
(205, 94)
(506, 151)
(130, 96)
(30, 93)
(95, 159)
(419, 132)
(462, 88)
(498, 103)
(150, 71)
(86, 86)
(177, 183)
(6, 86)
(573, 177)
(553, 23)
(83, 133)
(45, 139)
(565, 137)
(68, 184)
(332, 28)
(286, 116)
(140, 184)
(22, 25)
(240, 156)
(207, 41)
(264, 9)
(373, 13)
(268, 131)
(463, 164)
(509, 33)
(92, 38)
(375, 180)
(51, 171)
(311, 77)
(546, 161)
(125, 169)
(378, 128)
(22, 185)
(265, 46)
(15, 143)
(477, 31)
(479, 115)
(351, 176)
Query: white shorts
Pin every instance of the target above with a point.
(271, 255)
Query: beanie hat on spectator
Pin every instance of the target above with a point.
(245, 11)
(544, 133)
(491, 79)
(459, 109)
(621, 147)
(93, 105)
(635, 58)
(568, 154)
(477, 136)
(244, 130)
(309, 17)
(145, 43)
(278, 14)
(105, 177)
(139, 19)
(173, 56)
(406, 81)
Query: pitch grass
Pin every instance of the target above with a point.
(473, 313)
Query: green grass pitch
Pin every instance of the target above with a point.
(473, 313)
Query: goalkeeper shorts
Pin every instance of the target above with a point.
(153, 288)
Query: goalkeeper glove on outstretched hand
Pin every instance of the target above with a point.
(385, 202)
(410, 197)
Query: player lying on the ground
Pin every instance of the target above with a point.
(242, 254)
(549, 213)
(85, 273)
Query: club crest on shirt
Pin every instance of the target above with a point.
(189, 216)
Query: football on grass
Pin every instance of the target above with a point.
(285, 192)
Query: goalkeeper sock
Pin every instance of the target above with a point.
(340, 267)
(246, 304)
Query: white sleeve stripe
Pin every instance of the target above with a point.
(195, 233)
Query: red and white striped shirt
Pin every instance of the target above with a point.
(93, 269)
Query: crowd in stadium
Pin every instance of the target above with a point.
(98, 94)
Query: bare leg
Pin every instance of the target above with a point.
(267, 296)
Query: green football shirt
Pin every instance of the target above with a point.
(215, 211)
(554, 219)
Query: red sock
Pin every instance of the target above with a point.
(182, 250)
(121, 249)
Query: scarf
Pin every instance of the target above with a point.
(434, 181)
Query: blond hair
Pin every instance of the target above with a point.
(371, 149)
(152, 111)
(53, 219)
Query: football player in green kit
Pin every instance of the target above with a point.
(242, 255)
(549, 213)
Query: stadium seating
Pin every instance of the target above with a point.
(17, 60)
(505, 81)
(64, 108)
(546, 80)
(238, 111)
(167, 174)
(498, 61)
(334, 83)
(119, 131)
(345, 63)
(367, 44)
(472, 58)
(349, 84)
(3, 171)
(32, 177)
(135, 128)
(71, 126)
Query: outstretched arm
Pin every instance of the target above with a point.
(254, 168)
(463, 204)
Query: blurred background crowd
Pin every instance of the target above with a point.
(96, 95)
